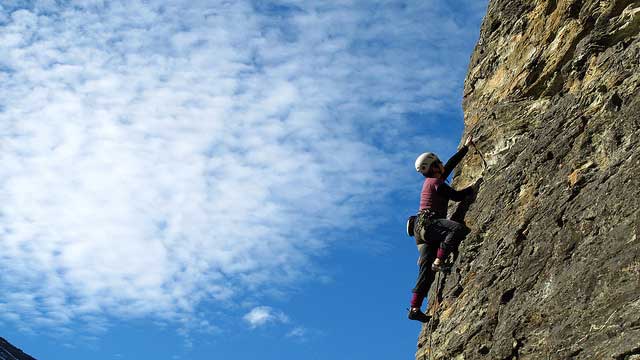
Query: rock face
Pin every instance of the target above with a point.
(551, 269)
(10, 352)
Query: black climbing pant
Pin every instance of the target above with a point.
(447, 233)
(440, 236)
(425, 274)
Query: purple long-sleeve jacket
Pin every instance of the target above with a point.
(436, 193)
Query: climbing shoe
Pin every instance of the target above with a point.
(416, 314)
(443, 267)
(437, 265)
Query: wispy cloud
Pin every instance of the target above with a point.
(262, 315)
(158, 154)
(297, 332)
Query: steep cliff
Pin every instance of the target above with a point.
(551, 268)
(10, 352)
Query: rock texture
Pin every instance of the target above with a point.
(10, 352)
(551, 269)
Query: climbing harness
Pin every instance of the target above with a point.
(419, 221)
(415, 223)
(435, 310)
(424, 218)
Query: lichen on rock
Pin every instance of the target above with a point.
(551, 269)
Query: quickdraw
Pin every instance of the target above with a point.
(424, 218)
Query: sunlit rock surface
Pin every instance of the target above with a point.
(10, 352)
(551, 269)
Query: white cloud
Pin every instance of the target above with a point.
(158, 155)
(297, 332)
(262, 315)
(301, 334)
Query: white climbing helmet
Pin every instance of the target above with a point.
(424, 161)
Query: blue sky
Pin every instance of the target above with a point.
(219, 179)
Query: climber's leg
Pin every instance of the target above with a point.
(450, 234)
(425, 275)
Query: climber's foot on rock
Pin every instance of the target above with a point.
(437, 265)
(416, 314)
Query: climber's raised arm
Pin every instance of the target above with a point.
(455, 159)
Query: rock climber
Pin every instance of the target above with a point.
(436, 236)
